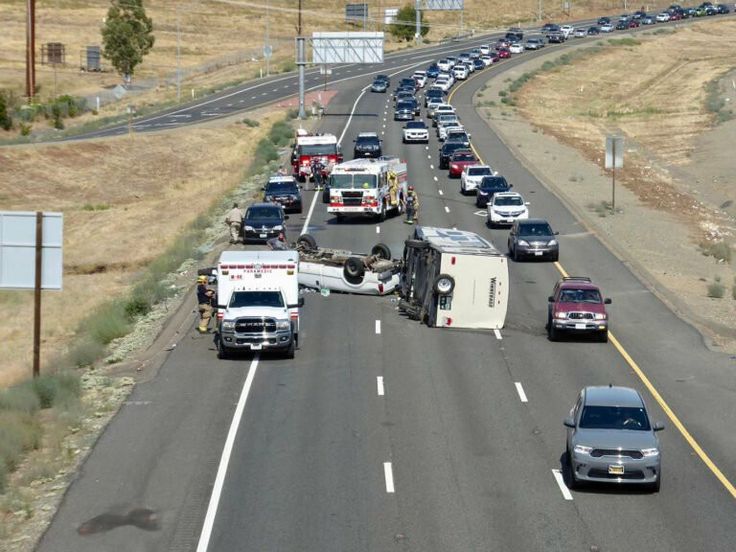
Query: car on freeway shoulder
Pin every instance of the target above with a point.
(505, 208)
(263, 221)
(459, 161)
(611, 439)
(285, 191)
(472, 176)
(488, 187)
(533, 238)
(415, 131)
(577, 306)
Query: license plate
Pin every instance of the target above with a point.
(616, 470)
(538, 253)
(580, 326)
(256, 347)
(263, 235)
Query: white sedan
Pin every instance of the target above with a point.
(471, 176)
(516, 48)
(662, 17)
(607, 28)
(506, 207)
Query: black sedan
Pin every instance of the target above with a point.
(285, 191)
(488, 186)
(446, 152)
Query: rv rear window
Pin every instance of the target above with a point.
(242, 299)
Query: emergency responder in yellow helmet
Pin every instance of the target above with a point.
(411, 205)
(204, 301)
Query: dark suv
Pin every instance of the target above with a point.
(488, 186)
(285, 191)
(533, 238)
(446, 152)
(367, 144)
(576, 306)
(263, 221)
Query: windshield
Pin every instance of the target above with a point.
(280, 187)
(263, 213)
(540, 229)
(318, 149)
(405, 105)
(463, 157)
(494, 182)
(349, 181)
(580, 296)
(477, 171)
(416, 124)
(241, 299)
(508, 201)
(614, 417)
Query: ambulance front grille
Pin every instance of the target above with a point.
(255, 325)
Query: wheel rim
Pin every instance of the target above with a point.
(444, 285)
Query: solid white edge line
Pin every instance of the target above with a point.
(379, 386)
(209, 519)
(520, 391)
(497, 333)
(309, 214)
(378, 326)
(561, 484)
(389, 475)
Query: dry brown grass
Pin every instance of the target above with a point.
(652, 93)
(154, 185)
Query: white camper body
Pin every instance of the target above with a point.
(454, 279)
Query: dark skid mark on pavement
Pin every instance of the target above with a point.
(143, 518)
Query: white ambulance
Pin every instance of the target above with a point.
(258, 302)
(371, 187)
(454, 279)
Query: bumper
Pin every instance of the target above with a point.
(342, 210)
(259, 235)
(416, 137)
(540, 253)
(581, 326)
(257, 342)
(495, 218)
(598, 470)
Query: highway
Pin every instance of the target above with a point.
(384, 434)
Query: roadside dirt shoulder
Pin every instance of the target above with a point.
(678, 273)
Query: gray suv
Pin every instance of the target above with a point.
(610, 439)
(533, 238)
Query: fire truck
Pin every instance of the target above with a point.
(371, 187)
(309, 147)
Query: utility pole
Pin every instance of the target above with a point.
(266, 45)
(539, 11)
(178, 56)
(300, 62)
(418, 29)
(30, 49)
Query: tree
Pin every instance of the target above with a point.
(405, 26)
(127, 35)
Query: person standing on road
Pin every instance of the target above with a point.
(234, 220)
(205, 297)
(411, 206)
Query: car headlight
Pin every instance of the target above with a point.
(582, 449)
(561, 315)
(649, 452)
(481, 192)
(278, 228)
(249, 228)
(552, 242)
(498, 212)
(600, 316)
(228, 324)
(283, 324)
(524, 243)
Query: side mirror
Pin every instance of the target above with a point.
(556, 233)
(657, 426)
(511, 186)
(301, 302)
(495, 173)
(527, 203)
(550, 299)
(607, 301)
(569, 422)
(286, 217)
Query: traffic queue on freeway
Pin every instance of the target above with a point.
(610, 437)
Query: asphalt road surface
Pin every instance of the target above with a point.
(384, 434)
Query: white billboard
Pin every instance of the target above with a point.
(18, 250)
(442, 5)
(389, 15)
(329, 48)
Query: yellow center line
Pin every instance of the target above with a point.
(642, 376)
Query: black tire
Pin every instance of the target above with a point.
(307, 241)
(326, 195)
(382, 251)
(291, 351)
(603, 336)
(443, 284)
(554, 334)
(654, 487)
(416, 244)
(222, 352)
(354, 269)
(382, 213)
(574, 484)
(554, 258)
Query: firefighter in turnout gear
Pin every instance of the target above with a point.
(205, 298)
(411, 206)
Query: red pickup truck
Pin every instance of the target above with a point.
(576, 306)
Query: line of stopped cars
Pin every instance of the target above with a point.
(610, 437)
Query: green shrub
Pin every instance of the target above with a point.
(25, 129)
(502, 93)
(716, 290)
(20, 398)
(250, 122)
(281, 134)
(56, 116)
(6, 119)
(107, 323)
(19, 433)
(288, 66)
(623, 41)
(85, 353)
(719, 250)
